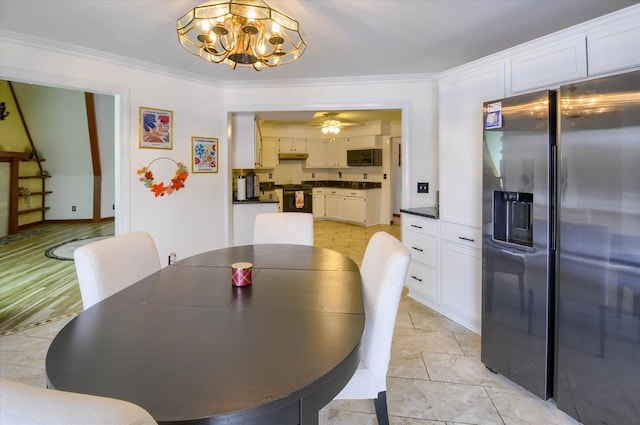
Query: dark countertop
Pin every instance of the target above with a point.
(429, 212)
(344, 184)
(267, 197)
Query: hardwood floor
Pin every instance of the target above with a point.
(33, 287)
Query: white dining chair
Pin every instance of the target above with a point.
(22, 404)
(283, 228)
(384, 267)
(110, 265)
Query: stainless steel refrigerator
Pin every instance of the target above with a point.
(598, 351)
(561, 246)
(517, 249)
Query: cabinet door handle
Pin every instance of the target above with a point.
(466, 239)
(416, 278)
(417, 249)
(416, 226)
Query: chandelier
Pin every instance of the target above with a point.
(241, 33)
(331, 127)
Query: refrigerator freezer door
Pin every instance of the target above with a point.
(598, 372)
(517, 265)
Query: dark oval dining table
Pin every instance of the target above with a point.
(189, 347)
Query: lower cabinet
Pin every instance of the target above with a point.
(359, 206)
(461, 273)
(318, 203)
(334, 204)
(355, 209)
(445, 272)
(420, 236)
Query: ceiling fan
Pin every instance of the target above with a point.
(332, 122)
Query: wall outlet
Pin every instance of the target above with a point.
(423, 187)
(313, 175)
(73, 208)
(365, 176)
(270, 176)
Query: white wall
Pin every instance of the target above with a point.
(189, 221)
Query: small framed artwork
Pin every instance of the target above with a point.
(156, 128)
(204, 153)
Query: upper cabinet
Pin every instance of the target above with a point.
(267, 153)
(337, 152)
(317, 149)
(550, 65)
(608, 49)
(243, 140)
(365, 142)
(293, 145)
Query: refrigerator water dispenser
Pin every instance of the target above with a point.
(512, 217)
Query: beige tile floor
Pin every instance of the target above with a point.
(435, 376)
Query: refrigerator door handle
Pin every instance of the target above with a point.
(554, 197)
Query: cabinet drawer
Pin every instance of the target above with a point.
(416, 223)
(423, 248)
(319, 190)
(354, 193)
(330, 191)
(463, 235)
(422, 279)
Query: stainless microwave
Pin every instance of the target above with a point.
(364, 157)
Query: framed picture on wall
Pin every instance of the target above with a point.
(204, 154)
(156, 128)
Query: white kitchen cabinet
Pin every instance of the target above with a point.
(280, 194)
(365, 142)
(337, 152)
(461, 273)
(419, 235)
(355, 208)
(460, 145)
(334, 204)
(243, 141)
(319, 202)
(608, 48)
(293, 145)
(550, 65)
(362, 206)
(317, 150)
(267, 153)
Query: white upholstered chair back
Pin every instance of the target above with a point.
(26, 404)
(383, 271)
(284, 228)
(110, 265)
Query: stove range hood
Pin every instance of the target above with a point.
(292, 155)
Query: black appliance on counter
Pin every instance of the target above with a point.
(297, 198)
(561, 246)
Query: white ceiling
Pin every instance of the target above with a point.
(346, 38)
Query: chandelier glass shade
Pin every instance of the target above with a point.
(245, 33)
(331, 127)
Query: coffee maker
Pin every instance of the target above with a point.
(253, 185)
